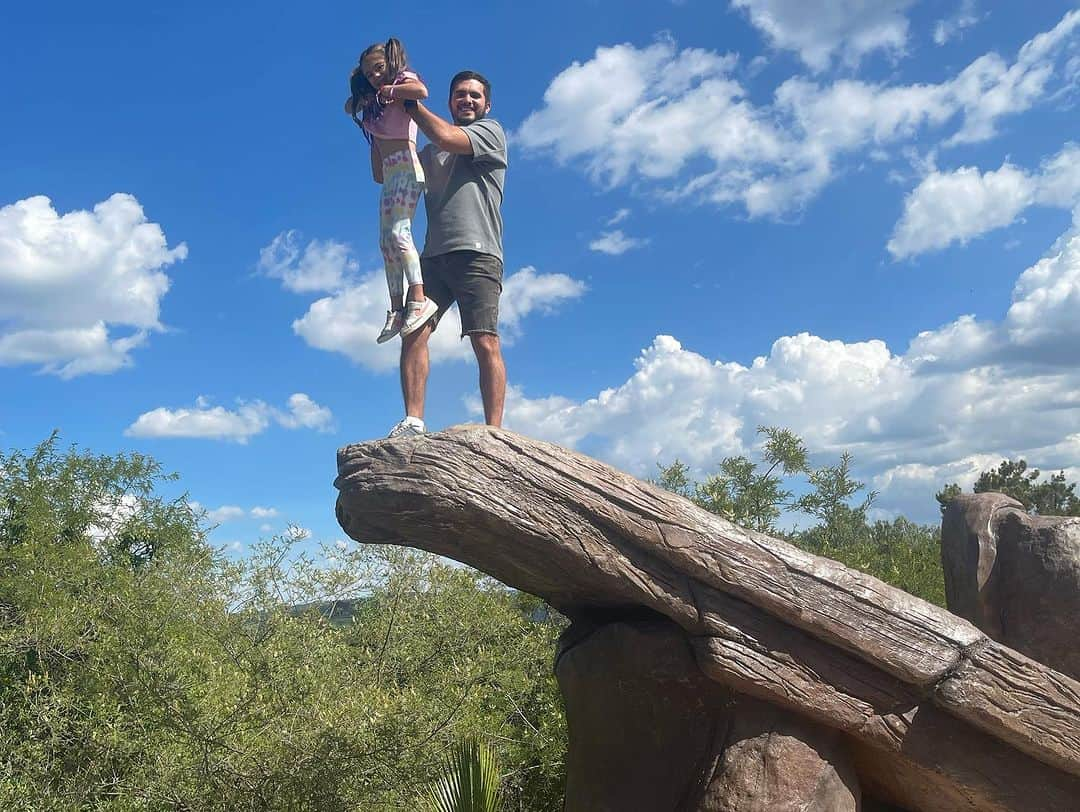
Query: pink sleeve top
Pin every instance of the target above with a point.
(392, 121)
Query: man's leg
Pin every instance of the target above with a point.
(492, 375)
(414, 370)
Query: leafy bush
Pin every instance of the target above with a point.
(139, 669)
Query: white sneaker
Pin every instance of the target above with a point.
(407, 427)
(394, 320)
(416, 314)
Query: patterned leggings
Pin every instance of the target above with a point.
(403, 180)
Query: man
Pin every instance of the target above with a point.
(462, 261)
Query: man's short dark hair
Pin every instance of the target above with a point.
(465, 76)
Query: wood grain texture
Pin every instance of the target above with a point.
(766, 617)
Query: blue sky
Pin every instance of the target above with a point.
(856, 219)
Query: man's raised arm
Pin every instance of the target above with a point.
(444, 135)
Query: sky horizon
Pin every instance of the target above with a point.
(858, 220)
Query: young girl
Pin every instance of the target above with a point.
(378, 85)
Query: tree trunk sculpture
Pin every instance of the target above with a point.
(935, 715)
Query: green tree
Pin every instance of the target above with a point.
(1052, 497)
(832, 488)
(139, 669)
(900, 552)
(748, 493)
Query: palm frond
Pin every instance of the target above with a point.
(469, 783)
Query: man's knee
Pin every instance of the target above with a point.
(416, 341)
(485, 345)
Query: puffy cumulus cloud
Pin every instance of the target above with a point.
(1045, 312)
(304, 413)
(948, 207)
(89, 349)
(959, 399)
(819, 29)
(69, 283)
(321, 266)
(647, 128)
(239, 425)
(348, 321)
(615, 242)
(700, 137)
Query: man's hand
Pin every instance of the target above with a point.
(443, 134)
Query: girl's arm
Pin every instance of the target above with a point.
(409, 89)
(376, 165)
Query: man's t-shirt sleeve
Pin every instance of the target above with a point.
(488, 141)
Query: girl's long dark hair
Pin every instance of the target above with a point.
(364, 104)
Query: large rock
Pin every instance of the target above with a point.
(776, 761)
(1015, 576)
(649, 731)
(922, 697)
(646, 727)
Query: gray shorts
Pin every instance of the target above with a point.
(471, 279)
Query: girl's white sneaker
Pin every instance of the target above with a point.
(417, 314)
(394, 320)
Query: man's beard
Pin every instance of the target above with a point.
(462, 123)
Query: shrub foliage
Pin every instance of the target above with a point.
(140, 669)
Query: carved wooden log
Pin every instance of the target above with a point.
(769, 619)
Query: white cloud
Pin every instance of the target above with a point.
(819, 29)
(322, 266)
(228, 513)
(225, 513)
(959, 399)
(1045, 314)
(110, 515)
(348, 321)
(965, 17)
(218, 423)
(768, 158)
(304, 413)
(618, 217)
(956, 206)
(69, 282)
(615, 242)
(990, 89)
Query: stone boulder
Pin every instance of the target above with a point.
(649, 731)
(1015, 576)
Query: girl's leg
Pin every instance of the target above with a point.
(388, 241)
(402, 211)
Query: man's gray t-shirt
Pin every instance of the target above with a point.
(463, 193)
